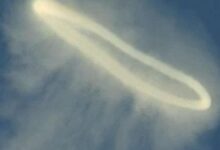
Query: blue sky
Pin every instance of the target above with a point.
(208, 12)
(53, 99)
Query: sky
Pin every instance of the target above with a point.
(52, 97)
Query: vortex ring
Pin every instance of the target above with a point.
(67, 25)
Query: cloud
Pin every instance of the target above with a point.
(60, 100)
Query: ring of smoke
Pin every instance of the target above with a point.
(55, 16)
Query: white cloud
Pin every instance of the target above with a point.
(68, 103)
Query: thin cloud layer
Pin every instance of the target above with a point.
(60, 100)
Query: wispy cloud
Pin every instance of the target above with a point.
(60, 100)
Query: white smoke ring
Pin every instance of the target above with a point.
(56, 16)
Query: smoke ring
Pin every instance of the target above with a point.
(67, 24)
